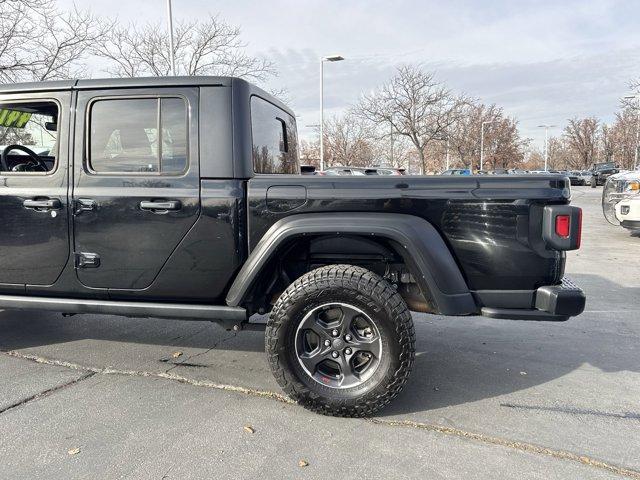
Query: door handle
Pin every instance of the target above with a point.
(42, 204)
(160, 206)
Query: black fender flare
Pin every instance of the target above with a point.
(416, 240)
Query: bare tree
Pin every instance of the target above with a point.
(310, 153)
(201, 47)
(39, 42)
(348, 141)
(607, 142)
(415, 105)
(582, 137)
(561, 154)
(503, 146)
(624, 137)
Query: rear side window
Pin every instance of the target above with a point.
(275, 144)
(139, 135)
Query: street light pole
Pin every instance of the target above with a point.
(487, 122)
(172, 57)
(391, 133)
(331, 58)
(546, 144)
(447, 153)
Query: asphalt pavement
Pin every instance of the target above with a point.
(103, 397)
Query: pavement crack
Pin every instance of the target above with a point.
(510, 444)
(46, 393)
(146, 374)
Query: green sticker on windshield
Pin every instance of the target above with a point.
(13, 118)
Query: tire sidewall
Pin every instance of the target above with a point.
(312, 296)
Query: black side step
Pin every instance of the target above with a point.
(222, 314)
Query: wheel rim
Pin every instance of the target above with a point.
(338, 345)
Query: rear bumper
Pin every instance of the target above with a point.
(550, 303)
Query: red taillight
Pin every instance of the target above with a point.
(579, 229)
(563, 226)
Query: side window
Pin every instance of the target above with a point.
(275, 144)
(139, 135)
(29, 136)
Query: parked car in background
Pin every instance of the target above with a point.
(579, 177)
(517, 171)
(601, 171)
(574, 177)
(389, 171)
(333, 171)
(341, 171)
(457, 171)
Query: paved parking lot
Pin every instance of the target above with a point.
(111, 397)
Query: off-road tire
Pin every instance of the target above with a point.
(371, 294)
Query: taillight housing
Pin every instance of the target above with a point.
(562, 227)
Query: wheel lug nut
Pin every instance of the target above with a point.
(335, 354)
(335, 332)
(347, 337)
(347, 351)
(327, 343)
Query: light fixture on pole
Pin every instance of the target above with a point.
(330, 58)
(636, 97)
(486, 122)
(546, 144)
(172, 57)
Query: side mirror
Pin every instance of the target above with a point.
(307, 169)
(51, 126)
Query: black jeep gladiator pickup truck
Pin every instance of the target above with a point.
(182, 198)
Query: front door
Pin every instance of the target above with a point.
(34, 229)
(136, 189)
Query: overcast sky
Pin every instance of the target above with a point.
(543, 61)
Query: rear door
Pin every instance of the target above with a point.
(136, 189)
(34, 230)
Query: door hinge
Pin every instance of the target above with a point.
(83, 205)
(87, 260)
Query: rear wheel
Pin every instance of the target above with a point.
(340, 341)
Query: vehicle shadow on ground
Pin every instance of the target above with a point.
(458, 360)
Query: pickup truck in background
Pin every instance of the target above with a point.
(601, 171)
(621, 200)
(182, 198)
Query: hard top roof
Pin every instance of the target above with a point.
(96, 83)
(138, 82)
